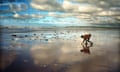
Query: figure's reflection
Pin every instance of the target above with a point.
(86, 43)
(86, 47)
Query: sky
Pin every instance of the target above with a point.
(59, 12)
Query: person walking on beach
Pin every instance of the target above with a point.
(86, 43)
(86, 37)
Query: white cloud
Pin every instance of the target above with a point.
(18, 7)
(79, 7)
(66, 6)
(108, 13)
(102, 20)
(24, 16)
(117, 17)
(36, 16)
(47, 5)
(52, 14)
(16, 15)
(84, 16)
(13, 7)
(87, 8)
(60, 15)
(102, 3)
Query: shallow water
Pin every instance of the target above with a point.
(59, 51)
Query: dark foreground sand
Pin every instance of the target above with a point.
(59, 51)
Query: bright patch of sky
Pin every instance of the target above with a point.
(59, 12)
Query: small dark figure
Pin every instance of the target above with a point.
(86, 43)
(86, 38)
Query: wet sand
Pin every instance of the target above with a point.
(59, 51)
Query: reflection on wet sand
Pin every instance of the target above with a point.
(86, 47)
(7, 58)
(50, 51)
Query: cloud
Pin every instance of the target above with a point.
(117, 18)
(70, 15)
(83, 16)
(46, 5)
(61, 15)
(66, 6)
(108, 13)
(18, 7)
(87, 10)
(52, 14)
(102, 20)
(101, 3)
(13, 7)
(25, 16)
(90, 10)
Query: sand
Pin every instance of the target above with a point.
(59, 51)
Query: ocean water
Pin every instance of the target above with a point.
(59, 50)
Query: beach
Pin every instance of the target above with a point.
(58, 50)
